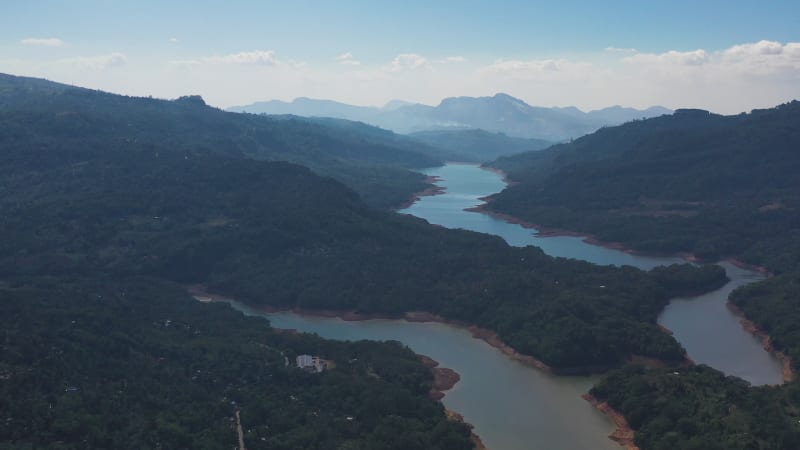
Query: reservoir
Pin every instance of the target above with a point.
(704, 325)
(516, 407)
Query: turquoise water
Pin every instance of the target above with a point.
(512, 406)
(515, 407)
(467, 183)
(710, 332)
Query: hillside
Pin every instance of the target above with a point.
(50, 115)
(130, 362)
(477, 145)
(500, 113)
(471, 145)
(89, 204)
(699, 408)
(714, 186)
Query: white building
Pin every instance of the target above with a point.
(311, 363)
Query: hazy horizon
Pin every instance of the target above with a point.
(715, 56)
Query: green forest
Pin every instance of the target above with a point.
(713, 186)
(114, 362)
(111, 205)
(699, 408)
(68, 125)
(277, 234)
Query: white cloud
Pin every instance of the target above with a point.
(454, 59)
(756, 48)
(728, 80)
(101, 62)
(257, 57)
(43, 42)
(348, 59)
(763, 58)
(407, 61)
(173, 40)
(541, 69)
(619, 50)
(672, 57)
(184, 63)
(261, 58)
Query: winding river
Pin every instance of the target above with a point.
(515, 407)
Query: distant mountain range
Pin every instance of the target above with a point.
(501, 113)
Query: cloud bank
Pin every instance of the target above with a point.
(43, 42)
(348, 59)
(729, 80)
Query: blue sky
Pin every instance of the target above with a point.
(585, 53)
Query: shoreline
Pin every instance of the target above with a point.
(747, 324)
(433, 190)
(484, 334)
(503, 175)
(766, 342)
(624, 434)
(488, 336)
(444, 378)
(456, 417)
(543, 231)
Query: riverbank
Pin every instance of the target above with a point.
(200, 293)
(456, 417)
(484, 334)
(766, 342)
(624, 434)
(444, 379)
(503, 175)
(543, 231)
(749, 326)
(429, 192)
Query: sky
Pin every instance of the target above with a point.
(725, 56)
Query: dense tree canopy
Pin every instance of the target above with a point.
(107, 200)
(715, 186)
(277, 234)
(137, 363)
(699, 408)
(696, 182)
(64, 124)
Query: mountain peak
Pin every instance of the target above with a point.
(396, 104)
(191, 100)
(504, 96)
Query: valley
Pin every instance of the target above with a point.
(128, 198)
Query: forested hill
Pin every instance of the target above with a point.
(49, 117)
(100, 222)
(478, 145)
(131, 362)
(697, 182)
(276, 233)
(693, 181)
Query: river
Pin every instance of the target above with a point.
(704, 325)
(513, 406)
